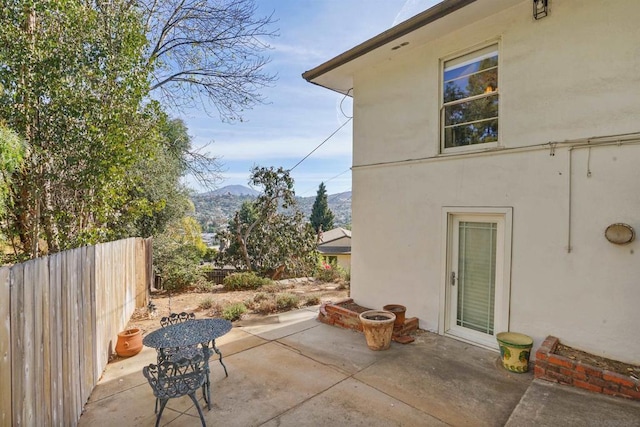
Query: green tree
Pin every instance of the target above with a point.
(270, 234)
(73, 85)
(321, 216)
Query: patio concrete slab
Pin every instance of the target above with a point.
(456, 382)
(265, 381)
(342, 349)
(351, 403)
(550, 404)
(280, 325)
(291, 370)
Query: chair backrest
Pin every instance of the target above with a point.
(176, 318)
(175, 379)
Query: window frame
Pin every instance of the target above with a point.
(496, 92)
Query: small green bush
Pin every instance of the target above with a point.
(287, 301)
(260, 296)
(266, 306)
(206, 303)
(234, 311)
(331, 273)
(312, 300)
(244, 281)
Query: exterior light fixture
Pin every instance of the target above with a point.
(540, 8)
(620, 234)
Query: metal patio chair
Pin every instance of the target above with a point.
(176, 379)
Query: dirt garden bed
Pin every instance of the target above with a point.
(211, 303)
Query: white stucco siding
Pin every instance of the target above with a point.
(570, 75)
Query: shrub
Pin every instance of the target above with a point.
(312, 300)
(287, 301)
(234, 311)
(244, 281)
(206, 304)
(266, 306)
(330, 272)
(260, 296)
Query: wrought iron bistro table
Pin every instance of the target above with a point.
(191, 333)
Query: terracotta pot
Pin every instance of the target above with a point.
(399, 311)
(378, 328)
(129, 342)
(515, 349)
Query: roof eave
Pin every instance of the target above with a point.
(428, 16)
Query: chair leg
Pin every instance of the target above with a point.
(219, 353)
(163, 403)
(195, 401)
(155, 410)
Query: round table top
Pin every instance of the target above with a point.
(187, 333)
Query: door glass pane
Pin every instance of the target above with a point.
(476, 276)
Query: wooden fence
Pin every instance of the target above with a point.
(60, 318)
(217, 275)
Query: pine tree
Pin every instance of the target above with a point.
(321, 215)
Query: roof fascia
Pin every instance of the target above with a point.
(430, 15)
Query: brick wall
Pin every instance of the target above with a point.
(553, 367)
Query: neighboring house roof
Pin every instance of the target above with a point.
(334, 234)
(336, 74)
(336, 241)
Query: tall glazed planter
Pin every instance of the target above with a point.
(377, 326)
(515, 349)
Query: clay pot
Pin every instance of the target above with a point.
(377, 326)
(129, 342)
(399, 311)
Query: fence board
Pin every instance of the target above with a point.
(17, 344)
(62, 315)
(5, 346)
(42, 268)
(55, 339)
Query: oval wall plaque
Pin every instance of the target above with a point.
(620, 234)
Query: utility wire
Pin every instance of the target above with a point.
(320, 145)
(328, 180)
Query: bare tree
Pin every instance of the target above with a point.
(208, 52)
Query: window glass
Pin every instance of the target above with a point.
(470, 99)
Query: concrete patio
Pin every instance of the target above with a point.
(291, 370)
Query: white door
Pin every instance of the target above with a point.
(477, 289)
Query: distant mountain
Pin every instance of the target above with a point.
(215, 208)
(234, 190)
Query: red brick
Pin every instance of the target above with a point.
(542, 364)
(587, 386)
(579, 375)
(589, 370)
(598, 382)
(539, 371)
(561, 361)
(619, 379)
(542, 355)
(558, 377)
(630, 392)
(551, 343)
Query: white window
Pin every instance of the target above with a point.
(470, 99)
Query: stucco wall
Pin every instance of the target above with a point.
(570, 75)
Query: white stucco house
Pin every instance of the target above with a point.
(491, 153)
(335, 247)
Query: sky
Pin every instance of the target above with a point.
(298, 115)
